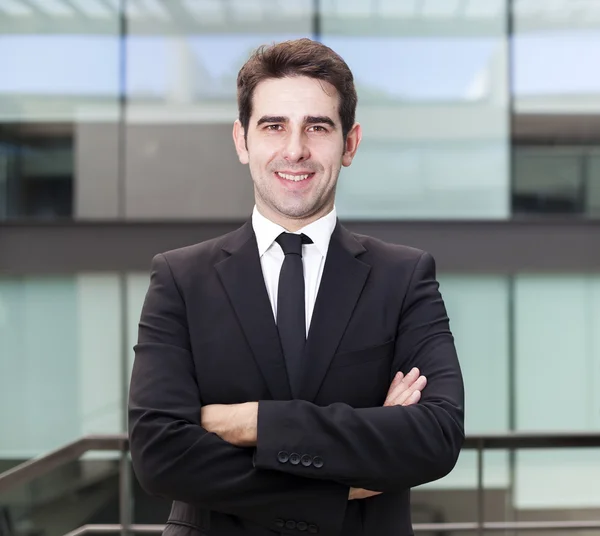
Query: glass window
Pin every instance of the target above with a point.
(479, 318)
(64, 340)
(60, 373)
(60, 83)
(557, 375)
(433, 102)
(181, 91)
(556, 94)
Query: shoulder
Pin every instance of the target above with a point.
(379, 251)
(202, 255)
(390, 261)
(396, 266)
(205, 250)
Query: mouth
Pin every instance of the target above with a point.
(295, 177)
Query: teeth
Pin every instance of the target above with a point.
(295, 178)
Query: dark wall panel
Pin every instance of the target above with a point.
(459, 247)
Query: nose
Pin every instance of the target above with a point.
(296, 148)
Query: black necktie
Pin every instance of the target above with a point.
(291, 315)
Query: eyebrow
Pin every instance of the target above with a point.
(309, 120)
(312, 119)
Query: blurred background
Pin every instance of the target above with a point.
(481, 145)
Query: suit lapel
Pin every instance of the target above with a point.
(344, 277)
(242, 277)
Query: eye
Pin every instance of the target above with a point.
(274, 128)
(317, 128)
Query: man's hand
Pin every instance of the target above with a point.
(234, 423)
(359, 493)
(404, 391)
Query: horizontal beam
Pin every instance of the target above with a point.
(544, 245)
(532, 440)
(32, 469)
(37, 467)
(112, 529)
(498, 526)
(417, 527)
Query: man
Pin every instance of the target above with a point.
(279, 384)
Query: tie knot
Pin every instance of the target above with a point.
(292, 243)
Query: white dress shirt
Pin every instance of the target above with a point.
(313, 256)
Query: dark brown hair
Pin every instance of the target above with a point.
(301, 57)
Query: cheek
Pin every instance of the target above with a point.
(328, 153)
(261, 157)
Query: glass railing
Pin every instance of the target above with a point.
(67, 492)
(57, 493)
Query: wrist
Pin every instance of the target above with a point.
(247, 421)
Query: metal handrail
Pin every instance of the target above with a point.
(36, 467)
(39, 466)
(417, 527)
(532, 440)
(111, 529)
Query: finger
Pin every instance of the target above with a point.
(401, 382)
(411, 376)
(403, 396)
(362, 493)
(417, 386)
(396, 381)
(399, 385)
(399, 376)
(412, 399)
(403, 392)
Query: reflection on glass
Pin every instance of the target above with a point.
(181, 93)
(433, 103)
(60, 70)
(78, 492)
(557, 319)
(37, 171)
(60, 376)
(433, 91)
(556, 93)
(551, 180)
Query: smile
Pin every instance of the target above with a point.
(295, 178)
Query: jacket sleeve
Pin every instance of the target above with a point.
(383, 448)
(174, 457)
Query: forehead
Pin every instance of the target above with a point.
(295, 96)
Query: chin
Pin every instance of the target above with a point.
(300, 212)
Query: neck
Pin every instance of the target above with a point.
(292, 224)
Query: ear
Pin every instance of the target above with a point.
(240, 142)
(351, 146)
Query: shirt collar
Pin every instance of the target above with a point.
(319, 231)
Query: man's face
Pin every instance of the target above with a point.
(295, 148)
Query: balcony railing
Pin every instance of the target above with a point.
(37, 467)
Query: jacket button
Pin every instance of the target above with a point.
(318, 462)
(301, 525)
(306, 460)
(283, 456)
(294, 458)
(290, 525)
(280, 523)
(313, 529)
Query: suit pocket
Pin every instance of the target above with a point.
(365, 355)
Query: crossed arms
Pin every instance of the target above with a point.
(383, 449)
(238, 423)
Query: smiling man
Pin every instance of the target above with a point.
(292, 377)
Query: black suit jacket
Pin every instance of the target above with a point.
(207, 335)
